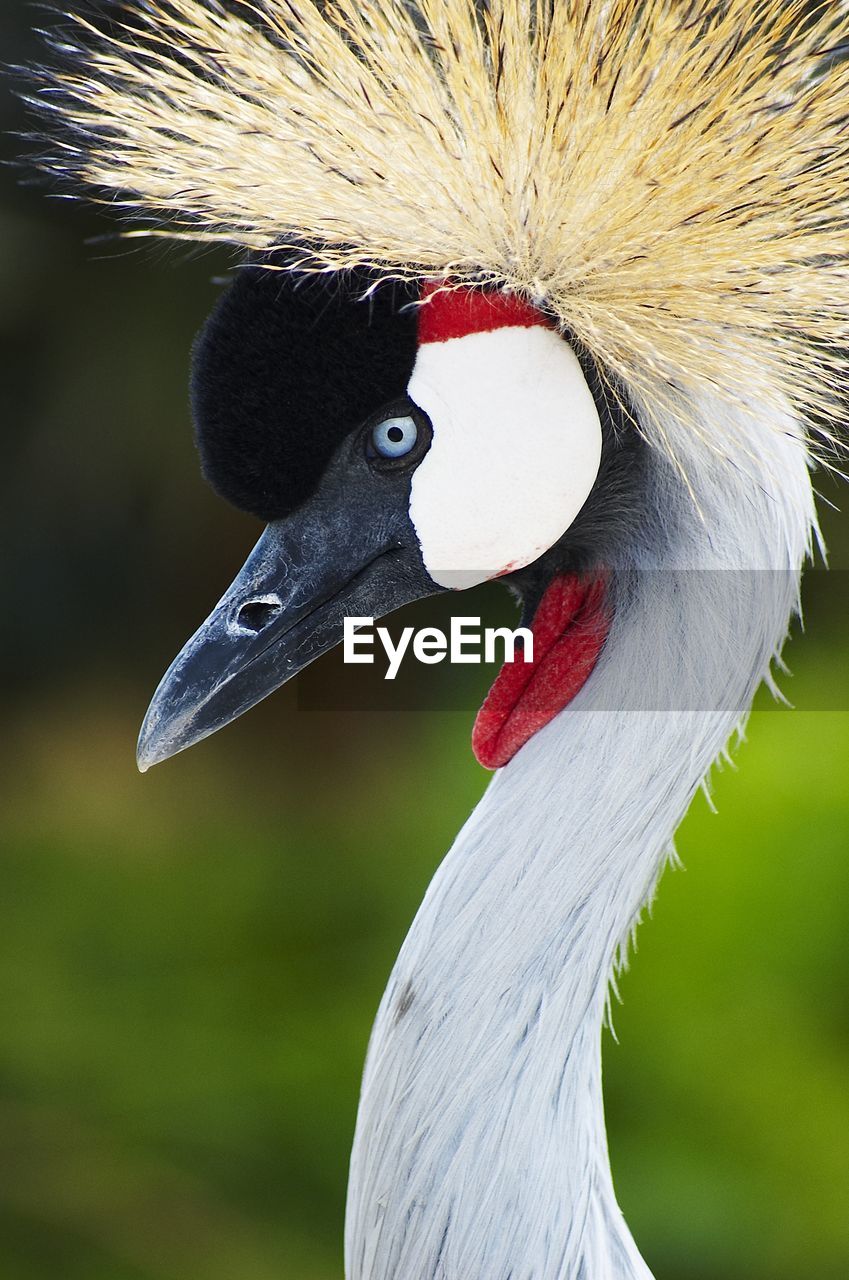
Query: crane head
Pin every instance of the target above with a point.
(671, 192)
(399, 443)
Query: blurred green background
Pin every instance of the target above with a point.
(190, 961)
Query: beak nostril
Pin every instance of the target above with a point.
(257, 614)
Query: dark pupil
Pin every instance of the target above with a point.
(396, 435)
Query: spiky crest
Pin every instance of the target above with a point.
(669, 177)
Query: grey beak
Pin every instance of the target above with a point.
(286, 608)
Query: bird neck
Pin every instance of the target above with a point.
(480, 1149)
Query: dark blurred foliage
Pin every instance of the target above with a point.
(189, 962)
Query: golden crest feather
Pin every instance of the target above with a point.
(669, 177)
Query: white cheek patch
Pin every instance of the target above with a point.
(516, 449)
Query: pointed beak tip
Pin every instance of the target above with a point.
(149, 754)
(146, 758)
(152, 747)
(163, 736)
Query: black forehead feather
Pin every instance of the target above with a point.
(284, 369)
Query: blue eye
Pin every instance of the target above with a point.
(394, 437)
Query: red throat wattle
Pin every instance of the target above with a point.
(569, 628)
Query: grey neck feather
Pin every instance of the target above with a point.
(480, 1151)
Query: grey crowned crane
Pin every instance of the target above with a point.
(548, 290)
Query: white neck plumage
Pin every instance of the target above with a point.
(480, 1151)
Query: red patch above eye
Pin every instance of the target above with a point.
(569, 628)
(453, 313)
